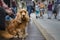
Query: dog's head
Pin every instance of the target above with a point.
(22, 15)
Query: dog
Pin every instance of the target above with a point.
(23, 23)
(17, 26)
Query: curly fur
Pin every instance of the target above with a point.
(18, 25)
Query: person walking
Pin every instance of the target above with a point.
(54, 10)
(29, 7)
(33, 6)
(49, 10)
(42, 6)
(37, 9)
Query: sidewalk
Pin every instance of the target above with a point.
(49, 28)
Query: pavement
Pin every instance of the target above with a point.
(50, 28)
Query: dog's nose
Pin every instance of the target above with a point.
(23, 15)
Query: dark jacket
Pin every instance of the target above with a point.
(50, 7)
(7, 2)
(2, 18)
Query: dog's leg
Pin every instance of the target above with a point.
(19, 33)
(25, 34)
(26, 31)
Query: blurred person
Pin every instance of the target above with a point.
(42, 6)
(4, 10)
(53, 10)
(37, 9)
(29, 10)
(49, 10)
(33, 6)
(6, 6)
(29, 7)
(14, 7)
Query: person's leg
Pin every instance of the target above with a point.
(14, 10)
(41, 12)
(36, 14)
(55, 15)
(28, 10)
(48, 14)
(51, 14)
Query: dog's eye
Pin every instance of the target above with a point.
(25, 11)
(20, 12)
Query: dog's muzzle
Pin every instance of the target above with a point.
(23, 18)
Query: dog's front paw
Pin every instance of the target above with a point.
(26, 34)
(20, 36)
(16, 36)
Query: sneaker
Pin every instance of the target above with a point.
(49, 18)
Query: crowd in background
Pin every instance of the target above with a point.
(39, 9)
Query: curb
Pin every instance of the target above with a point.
(43, 31)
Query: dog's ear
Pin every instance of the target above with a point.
(18, 17)
(27, 16)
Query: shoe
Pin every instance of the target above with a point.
(49, 18)
(36, 17)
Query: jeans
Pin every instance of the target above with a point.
(29, 9)
(49, 14)
(14, 9)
